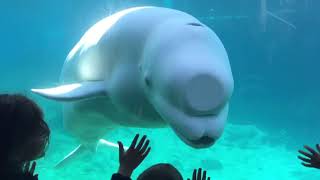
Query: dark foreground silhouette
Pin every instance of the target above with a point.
(311, 157)
(24, 137)
(129, 160)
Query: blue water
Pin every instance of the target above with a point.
(274, 108)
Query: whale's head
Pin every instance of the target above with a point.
(188, 79)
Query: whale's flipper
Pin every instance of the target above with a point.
(81, 150)
(73, 92)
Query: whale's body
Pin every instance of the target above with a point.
(146, 67)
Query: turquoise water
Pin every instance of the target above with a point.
(274, 109)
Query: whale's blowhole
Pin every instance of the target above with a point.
(195, 24)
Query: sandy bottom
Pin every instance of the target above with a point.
(243, 153)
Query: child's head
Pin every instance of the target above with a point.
(24, 135)
(160, 171)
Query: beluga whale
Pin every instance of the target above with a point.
(145, 67)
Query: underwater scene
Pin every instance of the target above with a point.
(231, 87)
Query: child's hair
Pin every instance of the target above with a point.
(24, 135)
(161, 171)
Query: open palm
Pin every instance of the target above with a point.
(132, 158)
(311, 158)
(199, 175)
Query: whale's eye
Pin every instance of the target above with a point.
(147, 81)
(194, 24)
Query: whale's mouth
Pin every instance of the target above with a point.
(195, 131)
(204, 140)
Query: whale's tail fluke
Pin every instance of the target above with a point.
(75, 154)
(83, 150)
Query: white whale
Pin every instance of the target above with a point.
(146, 67)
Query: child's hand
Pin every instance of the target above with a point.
(29, 171)
(131, 159)
(312, 158)
(199, 176)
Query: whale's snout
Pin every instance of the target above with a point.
(188, 80)
(201, 93)
(204, 93)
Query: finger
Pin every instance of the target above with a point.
(134, 141)
(310, 150)
(33, 167)
(304, 159)
(318, 147)
(305, 153)
(199, 174)
(146, 153)
(121, 149)
(194, 175)
(306, 165)
(143, 149)
(26, 167)
(204, 176)
(141, 142)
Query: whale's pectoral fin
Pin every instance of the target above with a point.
(73, 92)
